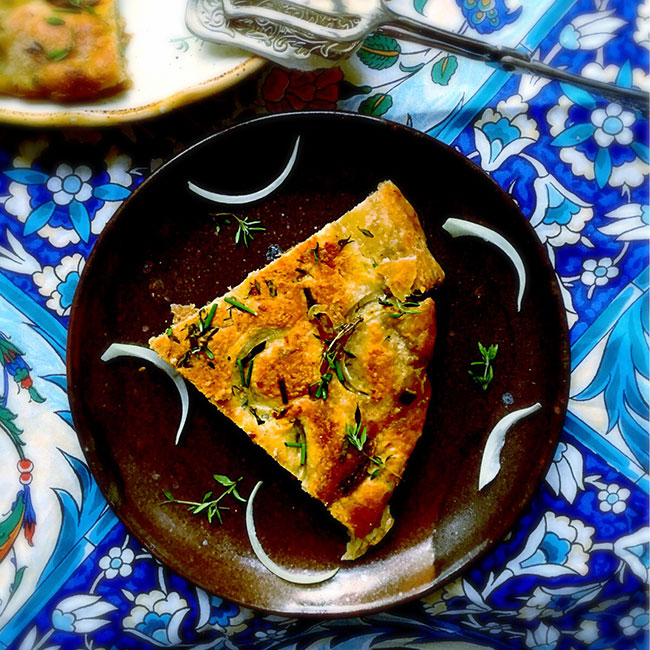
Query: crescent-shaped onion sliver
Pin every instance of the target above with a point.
(461, 228)
(491, 460)
(116, 350)
(276, 569)
(240, 199)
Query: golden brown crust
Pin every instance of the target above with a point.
(58, 50)
(334, 295)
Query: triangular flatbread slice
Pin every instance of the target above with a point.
(321, 356)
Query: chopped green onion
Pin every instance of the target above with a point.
(239, 305)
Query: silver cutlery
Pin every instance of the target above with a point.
(319, 33)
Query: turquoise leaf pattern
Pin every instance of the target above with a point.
(111, 192)
(444, 70)
(419, 5)
(626, 355)
(27, 176)
(642, 151)
(603, 167)
(39, 217)
(579, 96)
(574, 135)
(80, 219)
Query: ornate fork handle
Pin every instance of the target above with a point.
(510, 59)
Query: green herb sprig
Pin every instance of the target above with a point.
(403, 307)
(241, 306)
(381, 464)
(245, 227)
(206, 323)
(356, 435)
(323, 386)
(208, 506)
(303, 449)
(488, 354)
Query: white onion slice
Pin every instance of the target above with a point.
(116, 350)
(281, 572)
(491, 462)
(240, 199)
(460, 228)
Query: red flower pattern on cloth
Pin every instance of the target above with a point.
(287, 90)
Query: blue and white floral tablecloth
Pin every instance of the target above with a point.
(574, 571)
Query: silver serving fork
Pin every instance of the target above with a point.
(318, 33)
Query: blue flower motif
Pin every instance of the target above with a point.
(487, 16)
(599, 142)
(544, 637)
(565, 476)
(559, 216)
(156, 617)
(504, 132)
(223, 612)
(631, 222)
(635, 621)
(155, 626)
(590, 31)
(58, 283)
(81, 614)
(117, 562)
(557, 546)
(546, 602)
(63, 197)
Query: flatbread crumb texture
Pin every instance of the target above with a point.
(328, 372)
(61, 50)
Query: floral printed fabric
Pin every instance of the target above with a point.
(573, 573)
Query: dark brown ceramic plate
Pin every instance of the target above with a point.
(163, 247)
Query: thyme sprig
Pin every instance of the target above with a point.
(403, 307)
(488, 354)
(245, 227)
(208, 506)
(356, 435)
(330, 364)
(381, 464)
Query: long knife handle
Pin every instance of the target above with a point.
(510, 59)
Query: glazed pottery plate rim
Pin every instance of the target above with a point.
(168, 67)
(405, 131)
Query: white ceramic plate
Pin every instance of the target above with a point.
(168, 67)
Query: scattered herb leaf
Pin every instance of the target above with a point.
(283, 391)
(206, 323)
(303, 449)
(365, 232)
(58, 55)
(403, 307)
(356, 435)
(208, 506)
(488, 354)
(245, 227)
(323, 386)
(273, 292)
(239, 305)
(54, 20)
